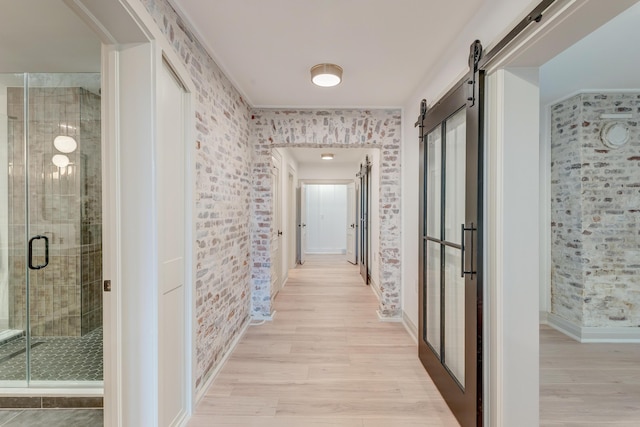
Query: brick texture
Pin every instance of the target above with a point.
(233, 194)
(327, 128)
(594, 211)
(223, 154)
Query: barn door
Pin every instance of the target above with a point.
(450, 301)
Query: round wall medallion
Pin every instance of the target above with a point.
(614, 134)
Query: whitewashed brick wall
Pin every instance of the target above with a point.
(328, 128)
(595, 214)
(223, 161)
(233, 207)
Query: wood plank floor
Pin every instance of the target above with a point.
(325, 360)
(588, 385)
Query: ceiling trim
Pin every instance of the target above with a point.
(188, 22)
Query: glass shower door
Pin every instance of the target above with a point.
(55, 203)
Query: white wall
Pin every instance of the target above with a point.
(512, 276)
(600, 61)
(326, 219)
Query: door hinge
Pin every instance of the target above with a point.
(107, 285)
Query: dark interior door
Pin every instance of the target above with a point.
(450, 299)
(363, 213)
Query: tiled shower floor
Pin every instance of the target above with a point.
(54, 358)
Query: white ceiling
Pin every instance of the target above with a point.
(603, 60)
(386, 47)
(341, 155)
(45, 36)
(266, 47)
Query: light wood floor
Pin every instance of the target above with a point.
(588, 385)
(325, 360)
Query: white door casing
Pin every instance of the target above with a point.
(276, 228)
(291, 229)
(303, 222)
(133, 51)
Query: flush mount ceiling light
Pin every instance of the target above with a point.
(326, 75)
(327, 156)
(65, 144)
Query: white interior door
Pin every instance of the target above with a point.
(291, 229)
(303, 222)
(276, 229)
(172, 343)
(351, 223)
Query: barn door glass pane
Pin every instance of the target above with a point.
(434, 182)
(454, 288)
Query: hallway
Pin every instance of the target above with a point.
(325, 360)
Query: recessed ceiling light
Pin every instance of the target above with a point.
(326, 75)
(327, 156)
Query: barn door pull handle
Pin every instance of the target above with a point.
(463, 230)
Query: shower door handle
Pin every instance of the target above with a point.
(46, 252)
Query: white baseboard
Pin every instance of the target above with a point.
(544, 317)
(376, 291)
(268, 318)
(375, 288)
(388, 319)
(410, 327)
(586, 334)
(60, 391)
(203, 390)
(181, 420)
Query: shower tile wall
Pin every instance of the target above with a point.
(91, 211)
(64, 205)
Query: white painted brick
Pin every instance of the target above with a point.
(595, 208)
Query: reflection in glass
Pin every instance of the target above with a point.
(454, 314)
(434, 182)
(456, 136)
(432, 295)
